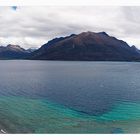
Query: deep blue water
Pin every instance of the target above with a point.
(92, 88)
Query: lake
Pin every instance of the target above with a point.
(69, 97)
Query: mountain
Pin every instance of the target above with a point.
(12, 52)
(30, 50)
(88, 46)
(135, 49)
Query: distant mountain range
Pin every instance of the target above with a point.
(86, 46)
(13, 52)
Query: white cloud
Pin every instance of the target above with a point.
(34, 26)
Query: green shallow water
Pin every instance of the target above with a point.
(123, 111)
(23, 115)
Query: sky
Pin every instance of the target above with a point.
(34, 26)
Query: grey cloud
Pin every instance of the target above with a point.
(34, 26)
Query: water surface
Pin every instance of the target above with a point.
(69, 97)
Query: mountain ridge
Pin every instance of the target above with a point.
(88, 46)
(12, 52)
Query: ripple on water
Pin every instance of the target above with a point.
(123, 111)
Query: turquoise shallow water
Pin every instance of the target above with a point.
(123, 111)
(22, 115)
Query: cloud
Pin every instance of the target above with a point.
(34, 26)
